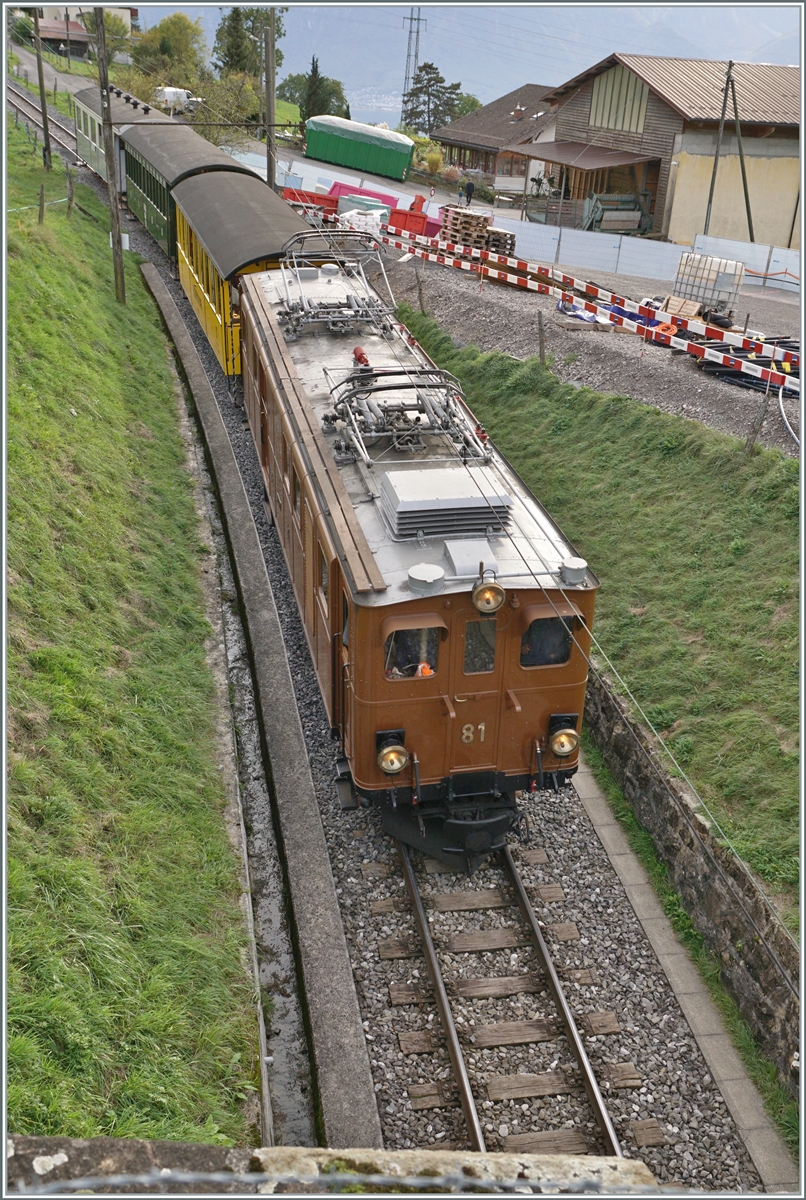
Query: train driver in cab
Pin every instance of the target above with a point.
(411, 654)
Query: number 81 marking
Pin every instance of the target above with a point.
(468, 732)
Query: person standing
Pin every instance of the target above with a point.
(470, 187)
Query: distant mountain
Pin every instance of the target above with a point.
(490, 49)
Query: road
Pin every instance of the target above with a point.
(67, 82)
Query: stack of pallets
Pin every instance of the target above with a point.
(464, 227)
(501, 241)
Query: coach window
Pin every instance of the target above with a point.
(547, 641)
(411, 653)
(345, 621)
(286, 464)
(479, 647)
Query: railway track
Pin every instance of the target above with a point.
(487, 1059)
(23, 103)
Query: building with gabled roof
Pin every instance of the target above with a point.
(475, 142)
(647, 125)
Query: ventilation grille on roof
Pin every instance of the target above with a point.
(446, 502)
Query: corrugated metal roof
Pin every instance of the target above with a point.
(580, 154)
(767, 94)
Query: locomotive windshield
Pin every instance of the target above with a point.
(411, 654)
(479, 647)
(547, 641)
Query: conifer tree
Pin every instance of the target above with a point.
(430, 102)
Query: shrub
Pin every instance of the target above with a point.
(451, 174)
(433, 162)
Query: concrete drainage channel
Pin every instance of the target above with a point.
(345, 1099)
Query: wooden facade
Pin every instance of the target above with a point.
(661, 126)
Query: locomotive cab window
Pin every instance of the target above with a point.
(411, 653)
(479, 647)
(548, 641)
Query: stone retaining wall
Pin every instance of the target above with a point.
(757, 955)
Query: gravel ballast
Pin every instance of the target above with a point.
(702, 1148)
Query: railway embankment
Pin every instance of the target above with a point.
(696, 546)
(130, 1009)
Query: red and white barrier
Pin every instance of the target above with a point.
(713, 332)
(479, 267)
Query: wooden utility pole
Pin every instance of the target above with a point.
(741, 158)
(67, 35)
(43, 96)
(271, 158)
(718, 148)
(109, 155)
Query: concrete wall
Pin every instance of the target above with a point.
(773, 179)
(759, 960)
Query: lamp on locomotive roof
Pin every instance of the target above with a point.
(488, 595)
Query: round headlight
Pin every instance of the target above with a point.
(393, 759)
(564, 742)
(488, 596)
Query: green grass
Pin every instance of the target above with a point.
(696, 547)
(129, 1010)
(780, 1106)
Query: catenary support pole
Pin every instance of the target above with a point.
(741, 158)
(109, 155)
(271, 158)
(43, 96)
(718, 147)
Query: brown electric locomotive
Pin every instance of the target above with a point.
(447, 616)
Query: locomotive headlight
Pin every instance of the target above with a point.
(392, 759)
(564, 742)
(488, 596)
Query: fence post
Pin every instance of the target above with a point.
(70, 192)
(766, 269)
(618, 255)
(559, 243)
(541, 341)
(759, 421)
(41, 204)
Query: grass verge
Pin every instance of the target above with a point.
(130, 1012)
(783, 1110)
(696, 547)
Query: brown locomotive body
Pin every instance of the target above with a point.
(448, 618)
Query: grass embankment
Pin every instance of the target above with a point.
(129, 1010)
(696, 547)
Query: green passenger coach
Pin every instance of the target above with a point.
(364, 147)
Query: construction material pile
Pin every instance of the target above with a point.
(466, 228)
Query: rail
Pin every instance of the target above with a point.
(32, 111)
(566, 1018)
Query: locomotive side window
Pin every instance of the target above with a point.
(323, 580)
(479, 647)
(411, 653)
(548, 641)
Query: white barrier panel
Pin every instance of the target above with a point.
(784, 260)
(533, 242)
(650, 260)
(598, 251)
(754, 256)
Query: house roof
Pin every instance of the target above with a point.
(581, 155)
(767, 94)
(54, 29)
(493, 125)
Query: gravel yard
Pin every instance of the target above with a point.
(495, 316)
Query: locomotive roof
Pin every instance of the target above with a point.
(238, 218)
(123, 111)
(426, 506)
(176, 151)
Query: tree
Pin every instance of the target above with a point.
(233, 52)
(430, 102)
(465, 104)
(116, 32)
(175, 50)
(232, 49)
(229, 99)
(314, 94)
(22, 30)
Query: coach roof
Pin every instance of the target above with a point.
(177, 151)
(238, 218)
(124, 111)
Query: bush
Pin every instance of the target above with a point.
(451, 174)
(22, 31)
(433, 162)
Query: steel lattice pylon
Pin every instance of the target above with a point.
(413, 56)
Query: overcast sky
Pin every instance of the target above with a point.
(493, 48)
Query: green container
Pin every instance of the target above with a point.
(363, 147)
